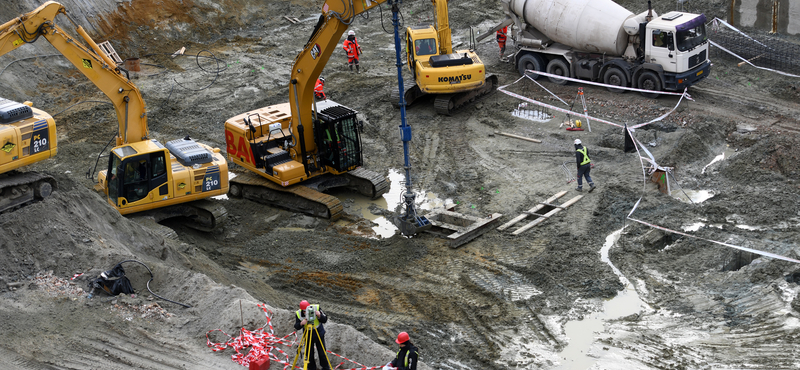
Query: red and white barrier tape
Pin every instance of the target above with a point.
(607, 85)
(76, 276)
(263, 343)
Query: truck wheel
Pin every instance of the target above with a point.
(559, 67)
(530, 62)
(615, 76)
(649, 81)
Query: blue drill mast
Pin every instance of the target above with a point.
(408, 222)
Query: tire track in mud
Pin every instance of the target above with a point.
(107, 349)
(22, 363)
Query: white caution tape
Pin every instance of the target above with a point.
(644, 185)
(715, 26)
(545, 89)
(567, 111)
(716, 22)
(754, 251)
(748, 62)
(557, 109)
(607, 85)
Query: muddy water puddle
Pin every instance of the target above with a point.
(727, 153)
(390, 201)
(693, 196)
(582, 333)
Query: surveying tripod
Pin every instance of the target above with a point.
(306, 346)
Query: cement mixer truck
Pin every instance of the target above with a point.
(599, 40)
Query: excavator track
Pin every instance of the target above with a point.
(412, 93)
(296, 198)
(447, 104)
(20, 188)
(203, 214)
(368, 183)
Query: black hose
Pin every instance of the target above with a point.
(90, 174)
(151, 279)
(34, 57)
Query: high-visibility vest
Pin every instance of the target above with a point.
(501, 35)
(408, 353)
(316, 321)
(351, 47)
(318, 89)
(585, 156)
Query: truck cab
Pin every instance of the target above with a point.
(678, 43)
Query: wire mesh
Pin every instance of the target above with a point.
(763, 51)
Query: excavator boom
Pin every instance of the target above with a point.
(304, 147)
(336, 17)
(87, 57)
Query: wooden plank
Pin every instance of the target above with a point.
(517, 137)
(548, 214)
(537, 214)
(290, 19)
(473, 231)
(552, 205)
(534, 209)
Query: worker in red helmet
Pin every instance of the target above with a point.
(501, 40)
(407, 356)
(353, 50)
(318, 93)
(316, 341)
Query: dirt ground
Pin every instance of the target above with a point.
(499, 302)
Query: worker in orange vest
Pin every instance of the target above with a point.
(318, 88)
(353, 50)
(501, 40)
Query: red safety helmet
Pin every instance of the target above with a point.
(402, 338)
(304, 305)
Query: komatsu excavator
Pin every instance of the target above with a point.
(455, 77)
(142, 174)
(27, 136)
(294, 151)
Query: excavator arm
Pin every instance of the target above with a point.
(88, 58)
(442, 25)
(337, 15)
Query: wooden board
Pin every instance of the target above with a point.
(547, 215)
(465, 227)
(532, 210)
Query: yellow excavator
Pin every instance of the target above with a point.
(455, 77)
(297, 150)
(27, 136)
(142, 175)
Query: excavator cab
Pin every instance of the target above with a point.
(146, 175)
(136, 176)
(337, 136)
